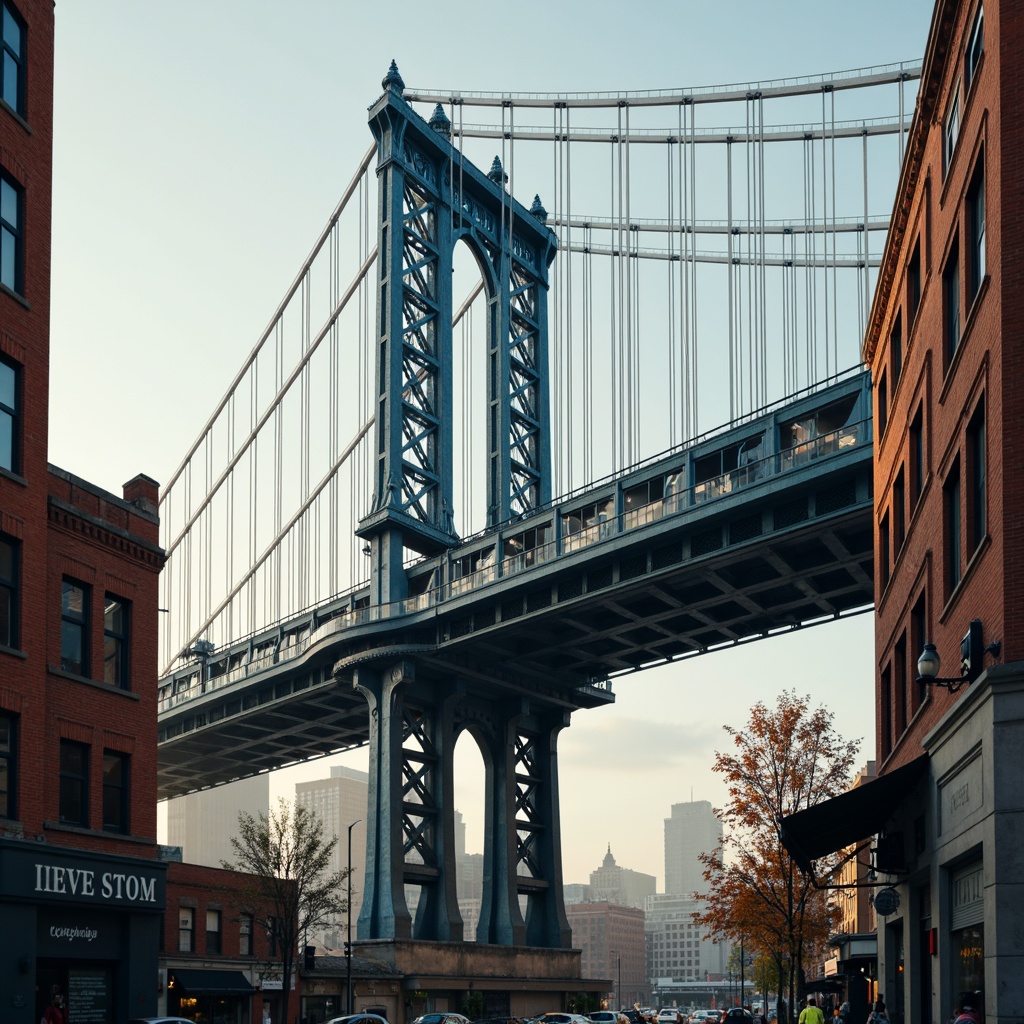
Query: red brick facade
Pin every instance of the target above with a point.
(941, 398)
(81, 890)
(239, 945)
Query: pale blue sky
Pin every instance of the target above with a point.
(199, 148)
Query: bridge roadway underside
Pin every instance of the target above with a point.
(765, 559)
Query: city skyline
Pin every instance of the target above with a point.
(199, 186)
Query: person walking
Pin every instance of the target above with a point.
(810, 1014)
(55, 1012)
(878, 1014)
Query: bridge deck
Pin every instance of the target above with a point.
(733, 538)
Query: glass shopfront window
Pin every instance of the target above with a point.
(967, 932)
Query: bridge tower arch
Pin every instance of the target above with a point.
(429, 199)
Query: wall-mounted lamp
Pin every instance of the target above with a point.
(972, 653)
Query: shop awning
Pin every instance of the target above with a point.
(849, 818)
(212, 982)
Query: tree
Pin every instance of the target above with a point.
(783, 761)
(287, 857)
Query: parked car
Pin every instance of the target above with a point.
(668, 1014)
(441, 1018)
(160, 1020)
(604, 1017)
(360, 1018)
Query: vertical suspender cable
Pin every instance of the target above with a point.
(763, 358)
(824, 230)
(695, 347)
(835, 254)
(669, 179)
(867, 247)
(569, 478)
(732, 353)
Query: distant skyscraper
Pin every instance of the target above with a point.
(614, 884)
(677, 952)
(338, 801)
(692, 830)
(202, 824)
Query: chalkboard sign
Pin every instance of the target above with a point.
(89, 999)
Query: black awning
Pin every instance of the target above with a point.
(213, 982)
(849, 818)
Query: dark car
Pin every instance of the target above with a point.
(160, 1020)
(441, 1018)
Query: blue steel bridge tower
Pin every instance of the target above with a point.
(430, 199)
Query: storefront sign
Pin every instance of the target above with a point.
(961, 795)
(108, 885)
(87, 934)
(45, 874)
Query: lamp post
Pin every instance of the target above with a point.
(618, 990)
(348, 908)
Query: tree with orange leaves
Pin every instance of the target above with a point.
(784, 760)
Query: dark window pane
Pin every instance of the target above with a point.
(115, 641)
(8, 266)
(10, 81)
(9, 204)
(74, 782)
(12, 32)
(8, 765)
(73, 629)
(8, 380)
(115, 792)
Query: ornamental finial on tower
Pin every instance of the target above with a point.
(496, 174)
(537, 209)
(393, 80)
(440, 123)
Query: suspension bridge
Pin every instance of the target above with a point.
(487, 455)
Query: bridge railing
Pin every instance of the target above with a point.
(557, 533)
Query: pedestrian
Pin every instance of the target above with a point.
(55, 1012)
(967, 1011)
(878, 1014)
(810, 1014)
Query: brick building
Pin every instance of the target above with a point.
(215, 961)
(81, 890)
(947, 366)
(610, 938)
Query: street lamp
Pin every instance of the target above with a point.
(618, 990)
(348, 908)
(971, 656)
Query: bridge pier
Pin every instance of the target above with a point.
(410, 838)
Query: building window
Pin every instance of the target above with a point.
(977, 524)
(884, 551)
(883, 403)
(186, 930)
(918, 638)
(896, 350)
(913, 285)
(951, 303)
(967, 934)
(212, 932)
(116, 621)
(74, 628)
(8, 765)
(115, 792)
(899, 659)
(951, 494)
(975, 48)
(916, 456)
(74, 783)
(951, 130)
(899, 505)
(885, 726)
(13, 82)
(9, 417)
(8, 592)
(976, 230)
(245, 935)
(11, 215)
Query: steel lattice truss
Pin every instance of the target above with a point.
(420, 366)
(525, 427)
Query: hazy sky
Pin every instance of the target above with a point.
(199, 149)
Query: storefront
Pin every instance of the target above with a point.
(213, 996)
(83, 925)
